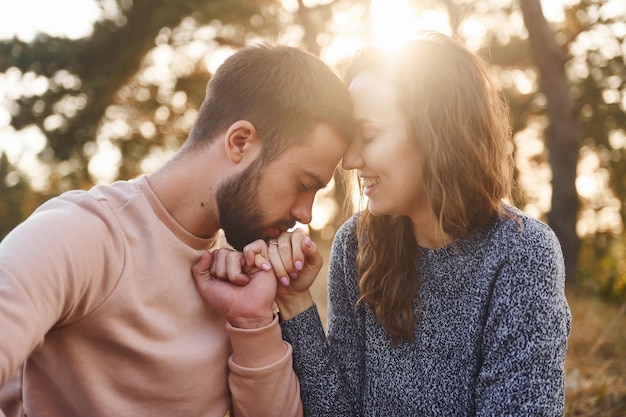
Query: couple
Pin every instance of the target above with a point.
(443, 299)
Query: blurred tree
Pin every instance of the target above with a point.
(595, 33)
(540, 52)
(120, 101)
(86, 76)
(17, 198)
(586, 52)
(563, 136)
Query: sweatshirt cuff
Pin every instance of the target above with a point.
(257, 348)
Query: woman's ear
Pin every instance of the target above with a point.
(242, 142)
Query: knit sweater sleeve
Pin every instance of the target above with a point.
(526, 330)
(330, 368)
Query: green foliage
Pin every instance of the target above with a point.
(103, 89)
(85, 75)
(18, 200)
(603, 266)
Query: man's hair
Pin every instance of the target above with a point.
(283, 91)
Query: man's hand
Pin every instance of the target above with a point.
(237, 285)
(247, 299)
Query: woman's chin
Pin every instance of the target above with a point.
(375, 210)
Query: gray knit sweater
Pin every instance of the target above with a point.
(490, 341)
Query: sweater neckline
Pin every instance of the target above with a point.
(458, 246)
(166, 218)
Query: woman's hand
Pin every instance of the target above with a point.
(296, 261)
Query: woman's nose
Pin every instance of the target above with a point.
(352, 158)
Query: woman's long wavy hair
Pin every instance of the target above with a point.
(459, 123)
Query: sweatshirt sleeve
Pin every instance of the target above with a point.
(526, 331)
(51, 273)
(262, 380)
(330, 368)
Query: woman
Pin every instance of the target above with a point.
(443, 299)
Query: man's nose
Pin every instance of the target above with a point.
(303, 209)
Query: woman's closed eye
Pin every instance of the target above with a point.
(368, 134)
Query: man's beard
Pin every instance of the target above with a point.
(238, 206)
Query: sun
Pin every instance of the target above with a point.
(386, 22)
(393, 22)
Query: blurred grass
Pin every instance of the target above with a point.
(596, 357)
(595, 365)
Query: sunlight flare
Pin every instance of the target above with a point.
(396, 21)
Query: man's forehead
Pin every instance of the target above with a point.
(318, 155)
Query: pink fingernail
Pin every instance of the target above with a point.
(266, 267)
(299, 265)
(308, 242)
(284, 281)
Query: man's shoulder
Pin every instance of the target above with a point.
(95, 200)
(84, 212)
(118, 193)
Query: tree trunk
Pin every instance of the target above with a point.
(563, 136)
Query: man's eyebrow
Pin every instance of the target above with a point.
(318, 182)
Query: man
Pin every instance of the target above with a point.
(99, 313)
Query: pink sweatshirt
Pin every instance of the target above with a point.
(100, 315)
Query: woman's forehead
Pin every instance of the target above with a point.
(374, 98)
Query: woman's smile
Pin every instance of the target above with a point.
(369, 183)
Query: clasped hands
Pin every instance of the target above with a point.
(244, 287)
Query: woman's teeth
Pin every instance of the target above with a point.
(369, 182)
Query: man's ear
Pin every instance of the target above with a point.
(242, 142)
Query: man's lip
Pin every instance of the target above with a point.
(275, 231)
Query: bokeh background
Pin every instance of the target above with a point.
(97, 90)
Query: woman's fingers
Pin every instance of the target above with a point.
(278, 263)
(235, 262)
(297, 253)
(312, 255)
(255, 255)
(287, 255)
(228, 265)
(218, 266)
